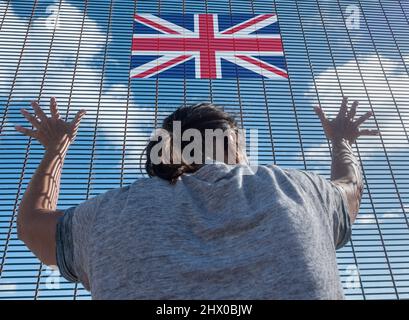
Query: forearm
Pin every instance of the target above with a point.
(346, 172)
(41, 195)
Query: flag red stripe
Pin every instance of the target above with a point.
(263, 65)
(198, 44)
(207, 54)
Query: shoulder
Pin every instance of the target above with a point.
(305, 181)
(116, 193)
(281, 173)
(92, 205)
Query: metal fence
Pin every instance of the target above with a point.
(80, 52)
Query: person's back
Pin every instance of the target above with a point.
(198, 230)
(219, 233)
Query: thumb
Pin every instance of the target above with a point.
(77, 119)
(321, 115)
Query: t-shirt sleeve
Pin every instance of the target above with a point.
(72, 241)
(326, 194)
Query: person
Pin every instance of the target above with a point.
(197, 230)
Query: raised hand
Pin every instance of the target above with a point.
(52, 132)
(343, 125)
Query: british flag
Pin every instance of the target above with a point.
(207, 46)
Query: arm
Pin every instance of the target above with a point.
(346, 174)
(345, 170)
(37, 215)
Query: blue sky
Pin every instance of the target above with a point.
(85, 63)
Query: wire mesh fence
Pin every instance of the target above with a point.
(79, 51)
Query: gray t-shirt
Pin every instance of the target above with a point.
(215, 234)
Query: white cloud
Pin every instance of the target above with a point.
(376, 93)
(8, 289)
(7, 286)
(60, 61)
(366, 219)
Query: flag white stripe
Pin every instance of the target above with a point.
(166, 23)
(253, 27)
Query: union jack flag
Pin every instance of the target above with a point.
(207, 46)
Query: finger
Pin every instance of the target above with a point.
(352, 111)
(26, 131)
(33, 120)
(363, 118)
(54, 109)
(368, 132)
(39, 112)
(344, 107)
(321, 115)
(77, 119)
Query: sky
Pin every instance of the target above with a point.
(85, 61)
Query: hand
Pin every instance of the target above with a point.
(52, 132)
(343, 125)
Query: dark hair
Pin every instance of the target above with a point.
(199, 116)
